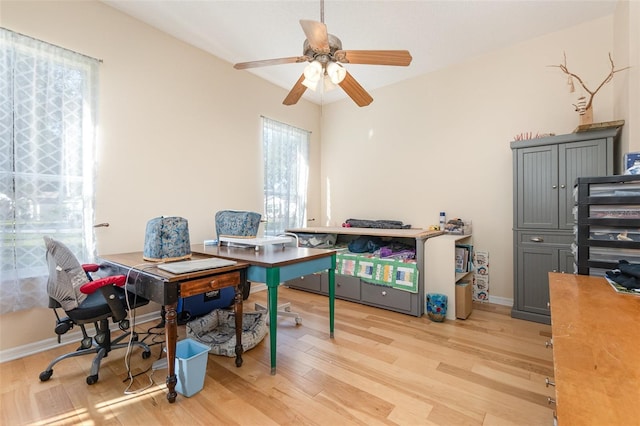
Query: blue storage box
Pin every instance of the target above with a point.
(192, 307)
(191, 366)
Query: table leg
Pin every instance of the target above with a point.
(332, 294)
(273, 280)
(237, 308)
(171, 337)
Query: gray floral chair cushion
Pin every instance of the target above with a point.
(167, 239)
(237, 223)
(218, 331)
(66, 275)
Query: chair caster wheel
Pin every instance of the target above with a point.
(146, 354)
(92, 379)
(46, 375)
(298, 321)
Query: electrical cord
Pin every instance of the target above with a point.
(132, 325)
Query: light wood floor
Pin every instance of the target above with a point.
(381, 368)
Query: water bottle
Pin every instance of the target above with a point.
(443, 221)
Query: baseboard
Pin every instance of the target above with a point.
(500, 300)
(255, 287)
(74, 336)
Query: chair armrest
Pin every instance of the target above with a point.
(90, 267)
(92, 286)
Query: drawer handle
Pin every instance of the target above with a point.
(548, 343)
(212, 284)
(384, 293)
(548, 382)
(550, 400)
(537, 239)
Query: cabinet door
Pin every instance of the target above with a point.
(567, 262)
(534, 265)
(578, 159)
(537, 187)
(538, 253)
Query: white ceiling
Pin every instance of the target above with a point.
(437, 33)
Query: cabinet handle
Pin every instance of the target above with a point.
(537, 239)
(548, 382)
(548, 343)
(563, 186)
(550, 400)
(554, 186)
(384, 293)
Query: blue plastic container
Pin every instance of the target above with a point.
(191, 366)
(437, 306)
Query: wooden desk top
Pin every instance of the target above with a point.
(596, 351)
(373, 232)
(267, 256)
(135, 260)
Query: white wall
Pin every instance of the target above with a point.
(440, 142)
(627, 83)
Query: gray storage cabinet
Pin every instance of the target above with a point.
(544, 173)
(356, 290)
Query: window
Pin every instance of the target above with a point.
(286, 173)
(47, 128)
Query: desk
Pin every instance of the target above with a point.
(596, 342)
(275, 264)
(165, 288)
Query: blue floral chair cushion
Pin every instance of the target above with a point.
(167, 239)
(233, 223)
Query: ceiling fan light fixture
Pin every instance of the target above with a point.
(336, 72)
(327, 84)
(310, 84)
(313, 72)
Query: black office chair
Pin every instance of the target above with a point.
(84, 301)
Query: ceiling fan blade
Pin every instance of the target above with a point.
(296, 92)
(355, 91)
(317, 36)
(266, 62)
(400, 58)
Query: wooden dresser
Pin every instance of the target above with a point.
(596, 351)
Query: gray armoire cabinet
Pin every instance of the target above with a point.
(544, 172)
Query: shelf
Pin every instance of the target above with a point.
(462, 275)
(440, 271)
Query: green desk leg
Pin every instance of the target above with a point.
(273, 280)
(332, 293)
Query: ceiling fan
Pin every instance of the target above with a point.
(324, 53)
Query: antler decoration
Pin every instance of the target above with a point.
(564, 69)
